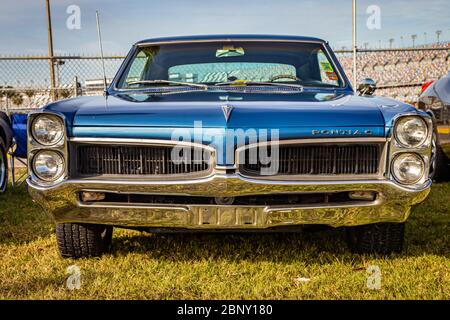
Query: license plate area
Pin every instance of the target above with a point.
(211, 216)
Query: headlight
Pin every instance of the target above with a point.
(47, 129)
(408, 168)
(48, 165)
(411, 132)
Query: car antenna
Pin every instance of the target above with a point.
(105, 85)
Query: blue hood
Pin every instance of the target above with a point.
(295, 115)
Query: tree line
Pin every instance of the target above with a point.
(16, 96)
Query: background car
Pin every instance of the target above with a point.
(435, 100)
(5, 143)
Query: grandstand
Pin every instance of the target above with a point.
(400, 73)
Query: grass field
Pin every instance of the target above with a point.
(223, 266)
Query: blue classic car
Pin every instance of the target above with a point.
(235, 132)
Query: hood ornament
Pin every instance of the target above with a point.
(227, 109)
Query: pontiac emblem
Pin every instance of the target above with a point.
(346, 132)
(227, 111)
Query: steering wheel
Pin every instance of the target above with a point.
(284, 76)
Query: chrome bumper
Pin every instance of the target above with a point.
(393, 203)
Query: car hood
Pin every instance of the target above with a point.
(294, 115)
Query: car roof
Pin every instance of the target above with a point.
(229, 37)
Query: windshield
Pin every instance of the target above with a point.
(240, 63)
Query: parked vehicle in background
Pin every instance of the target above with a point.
(229, 133)
(435, 100)
(6, 136)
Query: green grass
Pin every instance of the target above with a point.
(223, 266)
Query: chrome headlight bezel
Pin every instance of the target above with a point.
(398, 134)
(417, 157)
(59, 145)
(422, 149)
(61, 169)
(50, 117)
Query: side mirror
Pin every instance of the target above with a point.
(367, 87)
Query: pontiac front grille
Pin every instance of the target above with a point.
(316, 159)
(138, 160)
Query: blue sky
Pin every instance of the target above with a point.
(23, 22)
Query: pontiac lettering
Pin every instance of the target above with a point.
(345, 132)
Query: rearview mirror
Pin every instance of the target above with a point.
(367, 87)
(229, 51)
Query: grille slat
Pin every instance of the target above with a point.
(312, 159)
(137, 160)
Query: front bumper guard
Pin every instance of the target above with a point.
(393, 203)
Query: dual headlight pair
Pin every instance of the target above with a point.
(48, 131)
(410, 132)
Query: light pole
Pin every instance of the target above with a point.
(366, 45)
(425, 38)
(391, 41)
(401, 41)
(438, 34)
(413, 37)
(58, 64)
(354, 44)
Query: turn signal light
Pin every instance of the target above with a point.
(362, 195)
(87, 196)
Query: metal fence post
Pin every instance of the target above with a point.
(51, 60)
(7, 105)
(75, 86)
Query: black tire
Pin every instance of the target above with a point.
(3, 166)
(5, 117)
(439, 168)
(83, 240)
(378, 238)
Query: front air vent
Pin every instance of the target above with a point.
(140, 160)
(317, 159)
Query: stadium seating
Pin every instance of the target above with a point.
(396, 68)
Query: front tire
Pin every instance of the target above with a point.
(83, 240)
(378, 238)
(3, 166)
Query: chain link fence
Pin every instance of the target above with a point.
(25, 80)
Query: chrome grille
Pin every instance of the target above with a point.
(318, 159)
(138, 160)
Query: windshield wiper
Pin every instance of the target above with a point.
(206, 87)
(257, 83)
(177, 83)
